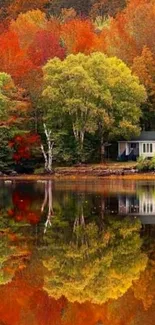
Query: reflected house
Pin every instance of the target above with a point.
(142, 205)
(143, 145)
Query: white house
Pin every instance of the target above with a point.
(144, 145)
(142, 206)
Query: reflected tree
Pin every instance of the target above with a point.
(99, 266)
(48, 201)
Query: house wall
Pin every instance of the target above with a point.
(146, 204)
(121, 147)
(146, 154)
(124, 146)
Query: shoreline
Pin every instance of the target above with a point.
(70, 175)
(107, 170)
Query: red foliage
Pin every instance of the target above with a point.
(23, 210)
(45, 46)
(13, 59)
(23, 146)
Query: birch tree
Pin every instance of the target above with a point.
(48, 154)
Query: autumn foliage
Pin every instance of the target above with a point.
(33, 32)
(79, 36)
(131, 30)
(13, 59)
(23, 210)
(45, 46)
(23, 145)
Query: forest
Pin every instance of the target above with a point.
(74, 77)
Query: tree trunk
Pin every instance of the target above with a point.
(102, 149)
(79, 136)
(48, 156)
(45, 197)
(45, 157)
(48, 199)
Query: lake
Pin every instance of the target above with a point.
(77, 252)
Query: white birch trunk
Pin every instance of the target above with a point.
(45, 197)
(48, 156)
(49, 199)
(45, 157)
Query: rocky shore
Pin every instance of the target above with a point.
(98, 172)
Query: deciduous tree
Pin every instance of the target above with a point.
(144, 68)
(105, 8)
(131, 30)
(95, 92)
(27, 25)
(17, 7)
(79, 36)
(45, 46)
(82, 7)
(13, 59)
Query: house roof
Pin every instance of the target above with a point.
(144, 136)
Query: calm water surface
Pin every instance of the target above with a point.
(77, 252)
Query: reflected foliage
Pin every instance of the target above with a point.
(63, 267)
(93, 265)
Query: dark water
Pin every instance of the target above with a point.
(77, 252)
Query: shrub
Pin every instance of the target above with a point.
(39, 171)
(152, 163)
(143, 164)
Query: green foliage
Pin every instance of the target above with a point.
(39, 171)
(7, 90)
(152, 163)
(6, 160)
(145, 164)
(83, 94)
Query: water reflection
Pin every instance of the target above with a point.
(93, 265)
(74, 253)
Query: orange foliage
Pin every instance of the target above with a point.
(117, 41)
(144, 288)
(54, 26)
(24, 301)
(86, 313)
(13, 59)
(27, 25)
(144, 68)
(79, 36)
(131, 30)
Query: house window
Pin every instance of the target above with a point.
(147, 147)
(151, 208)
(151, 147)
(144, 207)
